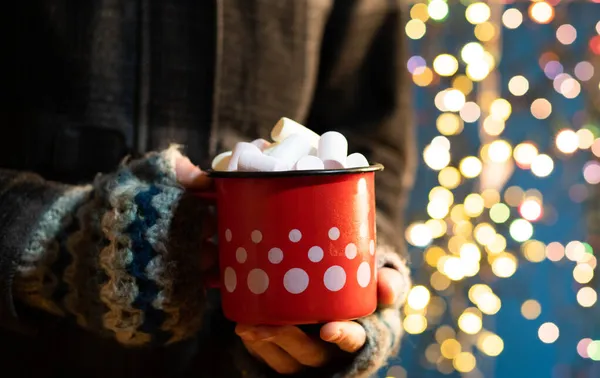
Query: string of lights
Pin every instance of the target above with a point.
(474, 230)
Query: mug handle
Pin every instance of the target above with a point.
(212, 281)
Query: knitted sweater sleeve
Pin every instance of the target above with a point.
(104, 254)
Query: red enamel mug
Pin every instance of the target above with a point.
(297, 247)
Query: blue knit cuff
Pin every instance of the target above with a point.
(120, 255)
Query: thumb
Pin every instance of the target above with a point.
(189, 175)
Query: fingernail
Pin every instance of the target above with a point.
(263, 334)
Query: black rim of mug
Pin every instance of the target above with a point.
(317, 172)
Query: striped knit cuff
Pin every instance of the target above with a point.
(384, 327)
(117, 257)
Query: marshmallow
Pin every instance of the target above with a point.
(286, 127)
(356, 160)
(240, 148)
(333, 164)
(333, 146)
(221, 161)
(308, 163)
(291, 149)
(251, 161)
(261, 143)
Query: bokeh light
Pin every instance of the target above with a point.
(541, 12)
(512, 18)
(548, 332)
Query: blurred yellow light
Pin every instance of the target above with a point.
(586, 138)
(524, 154)
(499, 151)
(542, 165)
(587, 297)
(419, 12)
(521, 230)
(518, 85)
(441, 193)
(445, 65)
(454, 100)
(418, 297)
(415, 29)
(470, 251)
(432, 354)
(472, 52)
(439, 100)
(534, 250)
(575, 251)
(470, 167)
(469, 322)
(489, 303)
(490, 344)
(437, 209)
(438, 9)
(512, 18)
(437, 227)
(444, 333)
(478, 70)
(477, 13)
(583, 273)
(541, 108)
(501, 109)
(504, 265)
(418, 234)
(415, 323)
(567, 141)
(464, 362)
(493, 126)
(463, 84)
(513, 195)
(477, 290)
(490, 197)
(499, 213)
(439, 282)
(485, 32)
(449, 177)
(497, 246)
(470, 112)
(453, 268)
(473, 205)
(441, 142)
(450, 348)
(531, 309)
(541, 12)
(484, 233)
(531, 209)
(433, 254)
(548, 332)
(449, 124)
(423, 78)
(458, 213)
(462, 230)
(435, 157)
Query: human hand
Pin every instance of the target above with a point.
(287, 349)
(191, 177)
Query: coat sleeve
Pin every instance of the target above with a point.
(112, 256)
(363, 92)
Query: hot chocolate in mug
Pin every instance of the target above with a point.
(296, 247)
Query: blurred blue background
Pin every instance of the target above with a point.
(548, 282)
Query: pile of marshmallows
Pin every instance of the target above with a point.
(294, 147)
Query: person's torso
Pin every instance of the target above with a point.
(98, 80)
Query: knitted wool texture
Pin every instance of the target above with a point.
(110, 256)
